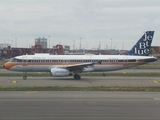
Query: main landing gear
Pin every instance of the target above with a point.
(77, 77)
(25, 76)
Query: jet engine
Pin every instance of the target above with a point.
(59, 72)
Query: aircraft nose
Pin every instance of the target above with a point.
(6, 66)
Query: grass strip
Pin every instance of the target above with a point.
(148, 66)
(98, 88)
(22, 74)
(123, 74)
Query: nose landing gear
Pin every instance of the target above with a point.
(25, 76)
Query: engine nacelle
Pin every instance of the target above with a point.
(88, 69)
(59, 72)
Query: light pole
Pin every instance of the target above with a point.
(123, 45)
(73, 44)
(111, 43)
(15, 42)
(49, 42)
(27, 43)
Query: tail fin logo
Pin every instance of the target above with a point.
(142, 47)
(147, 37)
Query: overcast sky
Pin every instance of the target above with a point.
(92, 21)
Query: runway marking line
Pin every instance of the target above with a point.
(155, 81)
(31, 92)
(74, 102)
(14, 81)
(124, 72)
(156, 98)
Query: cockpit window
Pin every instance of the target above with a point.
(13, 60)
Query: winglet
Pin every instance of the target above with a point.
(142, 47)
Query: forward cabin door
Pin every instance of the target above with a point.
(24, 63)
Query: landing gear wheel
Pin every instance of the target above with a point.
(24, 77)
(104, 74)
(77, 77)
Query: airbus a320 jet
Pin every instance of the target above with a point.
(66, 65)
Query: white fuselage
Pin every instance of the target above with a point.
(45, 62)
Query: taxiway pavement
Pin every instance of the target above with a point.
(79, 105)
(84, 82)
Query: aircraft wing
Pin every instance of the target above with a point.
(79, 67)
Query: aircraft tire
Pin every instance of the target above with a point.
(77, 77)
(24, 77)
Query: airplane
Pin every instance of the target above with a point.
(67, 65)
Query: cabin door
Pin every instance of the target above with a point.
(24, 63)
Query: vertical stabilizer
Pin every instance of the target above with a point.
(142, 47)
